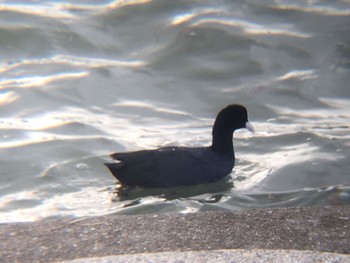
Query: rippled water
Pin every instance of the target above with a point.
(82, 79)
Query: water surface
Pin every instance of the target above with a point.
(82, 79)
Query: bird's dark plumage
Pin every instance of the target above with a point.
(175, 166)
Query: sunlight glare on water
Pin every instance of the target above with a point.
(82, 79)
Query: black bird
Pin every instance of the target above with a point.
(177, 166)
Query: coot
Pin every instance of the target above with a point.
(177, 166)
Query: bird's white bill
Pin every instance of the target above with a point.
(249, 126)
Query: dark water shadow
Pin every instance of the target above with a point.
(124, 193)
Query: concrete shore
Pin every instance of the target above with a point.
(222, 256)
(308, 230)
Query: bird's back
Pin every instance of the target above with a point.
(170, 166)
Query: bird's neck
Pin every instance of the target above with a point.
(222, 142)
